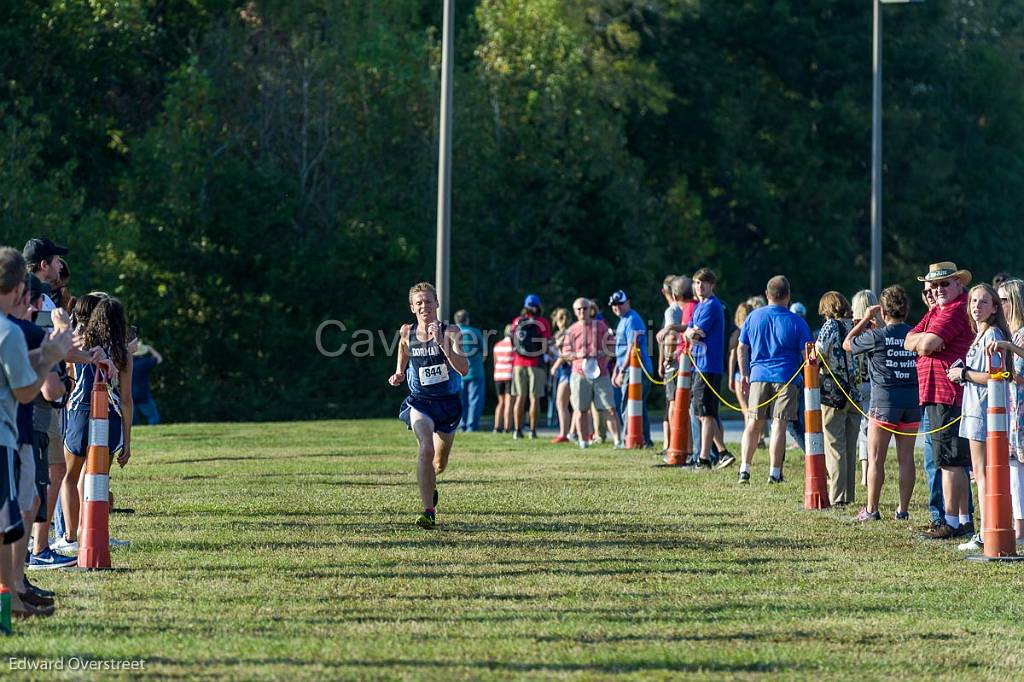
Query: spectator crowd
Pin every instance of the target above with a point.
(886, 380)
(54, 347)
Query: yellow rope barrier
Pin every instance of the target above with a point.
(636, 351)
(737, 408)
(878, 423)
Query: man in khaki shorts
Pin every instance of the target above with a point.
(588, 344)
(771, 349)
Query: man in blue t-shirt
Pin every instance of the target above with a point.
(706, 336)
(771, 349)
(472, 391)
(631, 328)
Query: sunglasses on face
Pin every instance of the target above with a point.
(939, 285)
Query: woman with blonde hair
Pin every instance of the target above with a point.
(742, 310)
(989, 325)
(1011, 298)
(561, 370)
(861, 301)
(840, 419)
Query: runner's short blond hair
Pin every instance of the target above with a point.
(421, 287)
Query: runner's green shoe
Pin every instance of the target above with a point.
(426, 521)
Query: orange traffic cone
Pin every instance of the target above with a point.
(634, 402)
(815, 475)
(94, 535)
(679, 436)
(997, 533)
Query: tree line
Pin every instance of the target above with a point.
(240, 172)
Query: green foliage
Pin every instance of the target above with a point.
(240, 172)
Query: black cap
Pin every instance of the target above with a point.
(39, 249)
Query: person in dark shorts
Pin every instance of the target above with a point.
(941, 338)
(430, 360)
(893, 405)
(706, 335)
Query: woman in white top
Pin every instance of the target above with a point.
(989, 325)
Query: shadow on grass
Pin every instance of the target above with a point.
(390, 666)
(207, 460)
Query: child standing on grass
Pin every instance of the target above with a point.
(429, 362)
(989, 325)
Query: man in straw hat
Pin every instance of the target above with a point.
(940, 339)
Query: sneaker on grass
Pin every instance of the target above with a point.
(865, 515)
(62, 545)
(772, 480)
(426, 521)
(744, 477)
(901, 515)
(973, 545)
(725, 460)
(48, 559)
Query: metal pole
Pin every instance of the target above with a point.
(876, 152)
(444, 163)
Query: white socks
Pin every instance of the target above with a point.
(776, 472)
(965, 519)
(744, 468)
(952, 520)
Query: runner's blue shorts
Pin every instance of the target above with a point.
(75, 427)
(445, 411)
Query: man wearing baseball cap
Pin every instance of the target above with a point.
(530, 335)
(631, 329)
(42, 258)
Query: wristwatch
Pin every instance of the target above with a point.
(963, 375)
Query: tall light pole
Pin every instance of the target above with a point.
(444, 163)
(876, 142)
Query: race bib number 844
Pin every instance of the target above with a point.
(433, 374)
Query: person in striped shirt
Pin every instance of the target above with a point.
(503, 382)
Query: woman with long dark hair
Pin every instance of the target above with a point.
(100, 322)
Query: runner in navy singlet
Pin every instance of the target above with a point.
(429, 360)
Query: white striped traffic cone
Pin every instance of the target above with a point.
(634, 402)
(815, 474)
(94, 535)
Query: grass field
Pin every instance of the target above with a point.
(288, 551)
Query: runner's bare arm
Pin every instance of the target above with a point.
(448, 345)
(403, 357)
